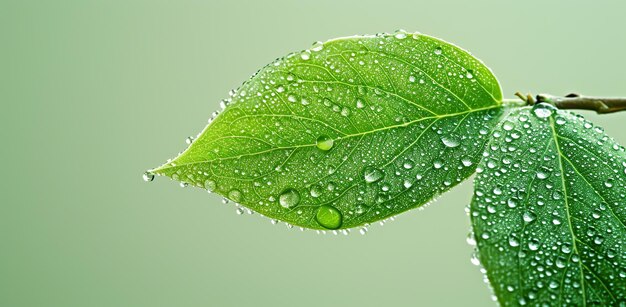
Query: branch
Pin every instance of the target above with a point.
(574, 101)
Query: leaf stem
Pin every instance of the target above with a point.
(601, 105)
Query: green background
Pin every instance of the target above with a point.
(95, 92)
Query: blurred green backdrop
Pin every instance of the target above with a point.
(95, 92)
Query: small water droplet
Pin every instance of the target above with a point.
(210, 185)
(189, 140)
(372, 174)
(474, 259)
(450, 141)
(529, 216)
(316, 191)
(324, 143)
(412, 79)
(305, 55)
(438, 51)
(289, 198)
(234, 195)
(609, 183)
(437, 164)
(513, 241)
(543, 110)
(329, 217)
(317, 46)
(400, 34)
(533, 245)
(147, 176)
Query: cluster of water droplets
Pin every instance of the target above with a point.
(545, 203)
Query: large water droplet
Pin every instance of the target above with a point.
(324, 143)
(210, 185)
(543, 110)
(450, 141)
(372, 174)
(147, 176)
(329, 217)
(317, 46)
(529, 216)
(289, 198)
(316, 191)
(234, 195)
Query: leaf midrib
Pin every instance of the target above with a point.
(347, 136)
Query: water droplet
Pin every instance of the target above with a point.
(543, 110)
(363, 231)
(560, 120)
(438, 51)
(234, 195)
(469, 74)
(408, 164)
(345, 111)
(316, 191)
(359, 104)
(328, 217)
(450, 142)
(289, 198)
(305, 55)
(609, 183)
(411, 79)
(317, 46)
(508, 125)
(541, 174)
(466, 161)
(400, 34)
(533, 244)
(474, 259)
(189, 140)
(325, 143)
(438, 164)
(513, 242)
(529, 216)
(407, 184)
(210, 185)
(147, 176)
(470, 239)
(372, 174)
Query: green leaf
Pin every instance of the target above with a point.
(549, 211)
(349, 132)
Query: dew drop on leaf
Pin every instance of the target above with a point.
(316, 191)
(289, 198)
(329, 217)
(450, 142)
(210, 185)
(234, 195)
(372, 174)
(324, 143)
(147, 176)
(543, 110)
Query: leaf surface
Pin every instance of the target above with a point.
(349, 132)
(549, 211)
